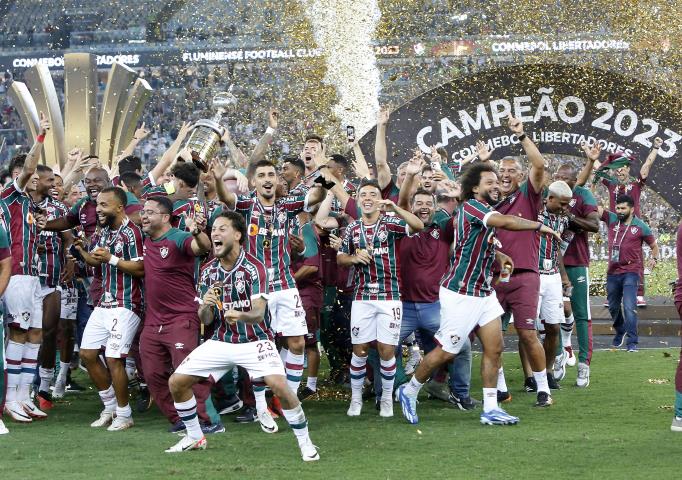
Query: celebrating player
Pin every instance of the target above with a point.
(234, 292)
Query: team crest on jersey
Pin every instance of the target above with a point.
(572, 202)
(435, 233)
(281, 217)
(455, 339)
(382, 235)
(164, 252)
(241, 285)
(356, 331)
(633, 230)
(118, 248)
(25, 316)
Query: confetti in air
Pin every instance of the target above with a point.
(345, 31)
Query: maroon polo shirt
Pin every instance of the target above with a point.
(169, 285)
(424, 258)
(628, 239)
(578, 251)
(522, 247)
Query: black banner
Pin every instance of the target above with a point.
(561, 106)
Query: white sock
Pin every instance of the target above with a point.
(541, 380)
(283, 352)
(294, 370)
(259, 395)
(13, 355)
(412, 387)
(130, 367)
(46, 375)
(29, 368)
(108, 398)
(187, 411)
(124, 411)
(489, 399)
(63, 371)
(387, 371)
(567, 330)
(298, 423)
(358, 371)
(501, 382)
(312, 383)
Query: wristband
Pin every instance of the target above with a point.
(270, 130)
(113, 261)
(521, 137)
(40, 138)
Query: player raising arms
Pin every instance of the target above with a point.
(234, 292)
(466, 294)
(369, 245)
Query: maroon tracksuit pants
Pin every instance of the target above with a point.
(162, 349)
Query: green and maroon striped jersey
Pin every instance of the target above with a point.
(246, 282)
(267, 229)
(550, 246)
(5, 251)
(50, 251)
(120, 289)
(22, 228)
(380, 280)
(470, 271)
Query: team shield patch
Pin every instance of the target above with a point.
(164, 252)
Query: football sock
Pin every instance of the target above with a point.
(187, 411)
(13, 355)
(501, 382)
(566, 330)
(412, 387)
(29, 368)
(541, 380)
(63, 371)
(298, 423)
(46, 375)
(294, 370)
(312, 383)
(387, 371)
(108, 398)
(124, 411)
(489, 399)
(259, 395)
(358, 370)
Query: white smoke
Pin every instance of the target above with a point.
(344, 29)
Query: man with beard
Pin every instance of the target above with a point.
(269, 223)
(51, 252)
(370, 245)
(292, 172)
(553, 278)
(523, 198)
(117, 254)
(171, 324)
(234, 293)
(627, 234)
(583, 219)
(622, 184)
(467, 298)
(22, 298)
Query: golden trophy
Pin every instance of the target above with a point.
(205, 139)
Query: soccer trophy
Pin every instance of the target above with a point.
(204, 141)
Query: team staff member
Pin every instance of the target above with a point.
(171, 324)
(234, 291)
(627, 234)
(118, 256)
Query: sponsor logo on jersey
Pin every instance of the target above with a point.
(164, 252)
(238, 304)
(381, 250)
(356, 331)
(179, 346)
(581, 279)
(253, 230)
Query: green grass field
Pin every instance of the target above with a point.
(617, 428)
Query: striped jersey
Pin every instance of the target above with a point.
(50, 249)
(246, 282)
(267, 230)
(380, 280)
(549, 245)
(22, 230)
(470, 271)
(121, 289)
(5, 252)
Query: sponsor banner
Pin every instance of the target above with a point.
(561, 107)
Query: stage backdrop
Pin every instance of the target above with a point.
(561, 107)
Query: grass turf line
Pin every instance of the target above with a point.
(617, 428)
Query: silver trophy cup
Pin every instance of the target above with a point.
(204, 141)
